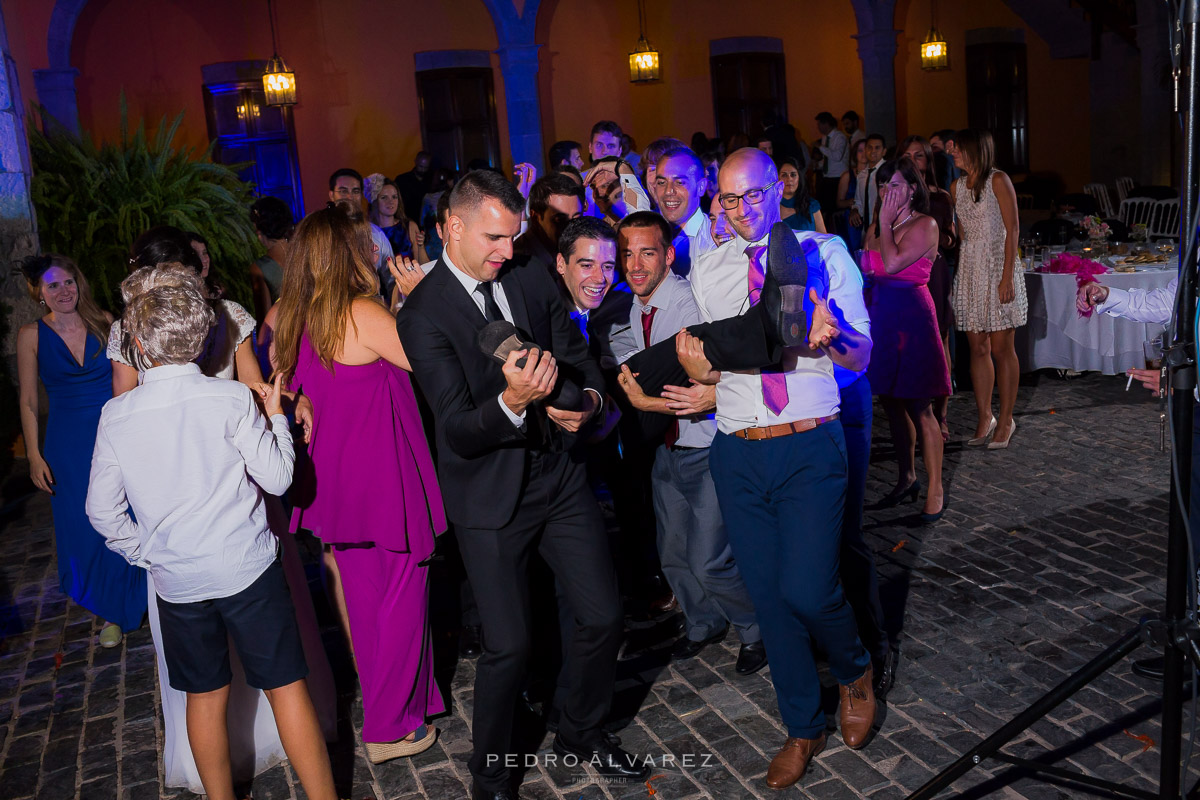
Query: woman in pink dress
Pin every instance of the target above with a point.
(372, 493)
(908, 365)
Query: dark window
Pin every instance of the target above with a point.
(746, 87)
(998, 99)
(458, 116)
(246, 129)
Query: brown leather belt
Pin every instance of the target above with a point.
(783, 429)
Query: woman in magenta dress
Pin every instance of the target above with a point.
(372, 493)
(908, 365)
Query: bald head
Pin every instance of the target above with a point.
(749, 170)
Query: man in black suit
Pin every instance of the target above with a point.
(513, 487)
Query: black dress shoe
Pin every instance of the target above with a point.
(687, 648)
(1150, 668)
(789, 276)
(552, 725)
(885, 673)
(610, 761)
(469, 644)
(480, 793)
(751, 658)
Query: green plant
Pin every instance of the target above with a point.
(93, 201)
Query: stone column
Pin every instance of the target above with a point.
(519, 67)
(877, 52)
(56, 93)
(1156, 120)
(18, 222)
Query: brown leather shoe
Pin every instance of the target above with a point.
(665, 603)
(857, 710)
(791, 762)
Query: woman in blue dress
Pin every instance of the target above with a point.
(66, 350)
(797, 208)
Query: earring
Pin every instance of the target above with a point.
(43, 302)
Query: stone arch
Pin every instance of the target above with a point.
(56, 84)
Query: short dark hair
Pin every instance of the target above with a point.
(161, 245)
(851, 115)
(648, 219)
(583, 228)
(443, 206)
(344, 172)
(484, 184)
(605, 126)
(877, 137)
(827, 118)
(272, 217)
(657, 148)
(570, 170)
(945, 134)
(684, 152)
(560, 152)
(556, 183)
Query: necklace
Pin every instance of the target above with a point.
(900, 224)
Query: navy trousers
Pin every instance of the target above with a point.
(782, 500)
(860, 580)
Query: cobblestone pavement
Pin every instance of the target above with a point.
(1047, 552)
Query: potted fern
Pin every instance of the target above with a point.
(93, 200)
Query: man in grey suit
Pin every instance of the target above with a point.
(692, 544)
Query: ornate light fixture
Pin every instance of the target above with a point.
(279, 82)
(643, 61)
(935, 53)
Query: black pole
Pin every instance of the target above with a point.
(1043, 706)
(1182, 383)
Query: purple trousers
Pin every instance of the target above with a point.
(386, 600)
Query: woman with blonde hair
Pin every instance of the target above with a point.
(373, 494)
(65, 350)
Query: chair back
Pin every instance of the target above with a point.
(1136, 211)
(1164, 224)
(1123, 186)
(1100, 192)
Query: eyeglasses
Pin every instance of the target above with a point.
(755, 196)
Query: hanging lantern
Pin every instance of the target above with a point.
(643, 61)
(935, 53)
(279, 83)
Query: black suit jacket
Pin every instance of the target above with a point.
(481, 455)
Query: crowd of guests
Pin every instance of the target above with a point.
(692, 334)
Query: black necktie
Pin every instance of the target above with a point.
(867, 204)
(491, 311)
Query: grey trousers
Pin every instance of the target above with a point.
(694, 549)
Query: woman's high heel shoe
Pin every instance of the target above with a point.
(895, 497)
(979, 441)
(929, 519)
(995, 445)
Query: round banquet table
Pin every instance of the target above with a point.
(1056, 336)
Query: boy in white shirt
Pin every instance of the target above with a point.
(187, 454)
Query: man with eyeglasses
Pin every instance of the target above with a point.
(779, 463)
(346, 188)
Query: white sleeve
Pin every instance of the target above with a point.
(1152, 306)
(518, 420)
(268, 454)
(106, 504)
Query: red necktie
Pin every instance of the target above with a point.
(774, 384)
(647, 322)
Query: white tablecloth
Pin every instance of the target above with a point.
(1056, 336)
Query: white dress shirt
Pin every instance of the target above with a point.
(720, 285)
(184, 452)
(470, 284)
(868, 191)
(836, 149)
(1153, 306)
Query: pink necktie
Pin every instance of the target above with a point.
(774, 383)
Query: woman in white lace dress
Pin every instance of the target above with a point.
(254, 741)
(989, 291)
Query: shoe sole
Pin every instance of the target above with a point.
(788, 265)
(379, 752)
